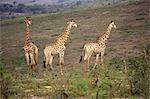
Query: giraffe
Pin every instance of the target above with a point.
(30, 49)
(58, 47)
(98, 46)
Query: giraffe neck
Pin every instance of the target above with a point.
(64, 36)
(105, 36)
(27, 38)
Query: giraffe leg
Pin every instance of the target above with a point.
(96, 61)
(32, 61)
(102, 54)
(61, 62)
(88, 63)
(50, 62)
(47, 54)
(46, 62)
(36, 61)
(27, 59)
(86, 60)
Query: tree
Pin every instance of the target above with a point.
(14, 3)
(20, 8)
(78, 3)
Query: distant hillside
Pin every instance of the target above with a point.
(13, 8)
(29, 2)
(58, 2)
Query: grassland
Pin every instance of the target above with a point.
(128, 40)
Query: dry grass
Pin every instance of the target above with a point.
(132, 28)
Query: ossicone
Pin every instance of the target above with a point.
(71, 20)
(111, 21)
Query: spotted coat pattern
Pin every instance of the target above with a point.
(30, 49)
(98, 46)
(58, 47)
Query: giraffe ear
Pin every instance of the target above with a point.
(25, 21)
(111, 21)
(71, 20)
(27, 18)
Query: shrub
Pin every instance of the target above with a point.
(6, 82)
(138, 72)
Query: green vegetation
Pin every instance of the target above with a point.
(121, 79)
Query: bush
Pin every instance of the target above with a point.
(6, 83)
(138, 73)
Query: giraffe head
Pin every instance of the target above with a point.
(72, 23)
(28, 21)
(112, 24)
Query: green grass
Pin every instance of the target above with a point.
(112, 82)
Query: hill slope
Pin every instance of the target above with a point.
(12, 9)
(57, 2)
(131, 33)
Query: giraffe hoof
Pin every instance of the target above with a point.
(61, 73)
(51, 68)
(88, 70)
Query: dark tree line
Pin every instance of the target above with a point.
(35, 9)
(21, 8)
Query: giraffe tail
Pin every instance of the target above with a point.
(44, 61)
(81, 57)
(44, 65)
(46, 57)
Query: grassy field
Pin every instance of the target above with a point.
(126, 42)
